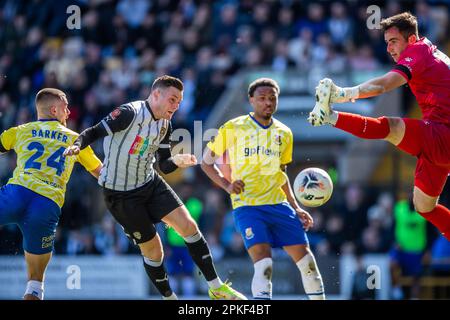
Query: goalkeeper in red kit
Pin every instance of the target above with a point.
(427, 72)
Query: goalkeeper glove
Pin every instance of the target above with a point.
(340, 95)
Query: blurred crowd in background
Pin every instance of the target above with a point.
(123, 45)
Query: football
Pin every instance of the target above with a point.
(313, 187)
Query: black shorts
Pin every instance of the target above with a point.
(140, 209)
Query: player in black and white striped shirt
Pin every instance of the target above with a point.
(135, 134)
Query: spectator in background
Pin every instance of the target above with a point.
(340, 26)
(354, 212)
(10, 240)
(285, 28)
(360, 290)
(185, 116)
(315, 20)
(363, 59)
(380, 216)
(80, 241)
(108, 240)
(231, 239)
(406, 255)
(317, 232)
(335, 235)
(281, 61)
(440, 265)
(225, 28)
(133, 11)
(301, 47)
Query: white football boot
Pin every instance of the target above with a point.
(320, 115)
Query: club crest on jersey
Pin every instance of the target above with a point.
(249, 233)
(408, 59)
(277, 140)
(138, 146)
(115, 113)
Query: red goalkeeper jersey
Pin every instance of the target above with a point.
(427, 71)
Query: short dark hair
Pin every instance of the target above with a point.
(45, 96)
(166, 82)
(262, 82)
(405, 22)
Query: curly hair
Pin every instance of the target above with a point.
(262, 82)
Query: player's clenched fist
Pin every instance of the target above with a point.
(236, 187)
(184, 160)
(71, 151)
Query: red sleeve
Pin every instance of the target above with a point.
(403, 71)
(411, 62)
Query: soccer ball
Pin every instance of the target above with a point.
(313, 187)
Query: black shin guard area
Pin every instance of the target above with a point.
(201, 255)
(160, 279)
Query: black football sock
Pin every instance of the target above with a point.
(158, 275)
(199, 251)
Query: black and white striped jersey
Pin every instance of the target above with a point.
(134, 136)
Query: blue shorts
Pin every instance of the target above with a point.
(276, 224)
(36, 216)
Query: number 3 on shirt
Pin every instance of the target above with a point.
(56, 160)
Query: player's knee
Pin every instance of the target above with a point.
(152, 249)
(259, 252)
(423, 205)
(422, 202)
(189, 228)
(394, 123)
(183, 223)
(156, 254)
(396, 129)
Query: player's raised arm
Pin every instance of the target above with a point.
(377, 86)
(370, 88)
(119, 119)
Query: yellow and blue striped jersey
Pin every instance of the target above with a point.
(41, 167)
(255, 155)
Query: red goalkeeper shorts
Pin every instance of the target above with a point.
(430, 142)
